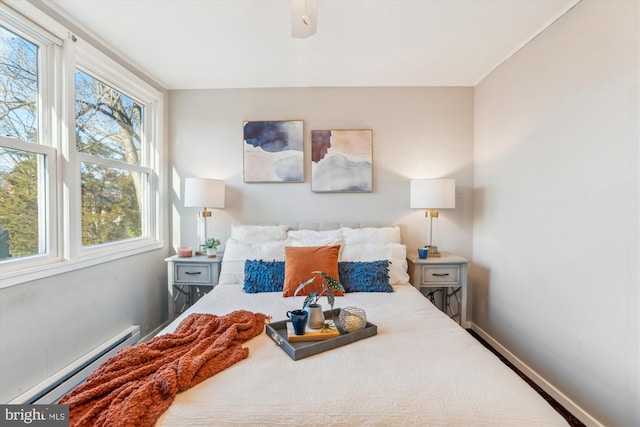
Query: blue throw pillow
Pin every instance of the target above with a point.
(263, 276)
(358, 276)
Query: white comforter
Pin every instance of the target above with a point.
(420, 369)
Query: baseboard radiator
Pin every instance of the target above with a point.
(53, 388)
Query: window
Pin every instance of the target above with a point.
(21, 222)
(109, 139)
(19, 82)
(72, 119)
(25, 167)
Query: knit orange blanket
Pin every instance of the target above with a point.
(135, 386)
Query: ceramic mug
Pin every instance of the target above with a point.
(423, 252)
(299, 320)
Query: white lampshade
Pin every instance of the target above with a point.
(203, 193)
(433, 193)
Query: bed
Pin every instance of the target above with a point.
(421, 368)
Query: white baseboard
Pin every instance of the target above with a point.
(561, 398)
(51, 389)
(154, 332)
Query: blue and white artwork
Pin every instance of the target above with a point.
(341, 160)
(274, 151)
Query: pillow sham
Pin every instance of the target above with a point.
(237, 252)
(258, 233)
(301, 261)
(263, 276)
(395, 253)
(315, 238)
(371, 235)
(358, 276)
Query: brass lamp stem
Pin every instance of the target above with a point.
(431, 213)
(205, 214)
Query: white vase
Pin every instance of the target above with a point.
(316, 316)
(211, 252)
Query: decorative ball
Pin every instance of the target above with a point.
(352, 319)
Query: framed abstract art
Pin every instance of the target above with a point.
(342, 160)
(273, 151)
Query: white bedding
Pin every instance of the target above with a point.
(420, 369)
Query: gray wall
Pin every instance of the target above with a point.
(417, 133)
(555, 244)
(47, 324)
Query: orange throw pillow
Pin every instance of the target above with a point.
(301, 261)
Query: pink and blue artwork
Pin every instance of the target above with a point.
(342, 160)
(273, 151)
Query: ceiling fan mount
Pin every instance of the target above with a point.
(304, 18)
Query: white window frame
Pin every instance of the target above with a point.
(65, 252)
(99, 66)
(48, 142)
(47, 223)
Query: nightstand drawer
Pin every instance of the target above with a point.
(440, 274)
(193, 273)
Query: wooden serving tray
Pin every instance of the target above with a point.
(277, 331)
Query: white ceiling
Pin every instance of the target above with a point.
(197, 44)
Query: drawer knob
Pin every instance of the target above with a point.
(441, 274)
(193, 272)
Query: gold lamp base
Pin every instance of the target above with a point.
(433, 251)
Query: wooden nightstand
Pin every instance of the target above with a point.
(189, 279)
(448, 273)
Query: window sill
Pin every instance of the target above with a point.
(65, 266)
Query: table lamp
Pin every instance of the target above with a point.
(432, 194)
(204, 193)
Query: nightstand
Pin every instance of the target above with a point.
(446, 274)
(189, 279)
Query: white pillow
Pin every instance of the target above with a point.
(373, 235)
(237, 252)
(315, 238)
(396, 253)
(259, 233)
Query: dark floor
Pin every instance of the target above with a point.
(573, 421)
